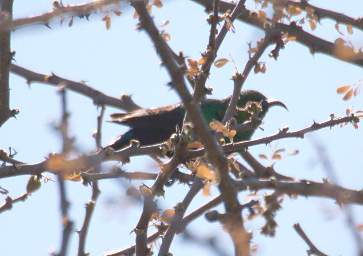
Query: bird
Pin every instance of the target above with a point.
(153, 126)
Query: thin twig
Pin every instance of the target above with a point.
(8, 204)
(85, 162)
(67, 223)
(90, 206)
(325, 13)
(211, 52)
(177, 219)
(348, 212)
(82, 10)
(215, 155)
(239, 79)
(314, 43)
(313, 250)
(99, 98)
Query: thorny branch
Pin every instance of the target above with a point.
(82, 10)
(215, 155)
(99, 98)
(90, 206)
(67, 223)
(313, 250)
(85, 162)
(6, 8)
(314, 43)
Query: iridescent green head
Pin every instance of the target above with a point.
(255, 102)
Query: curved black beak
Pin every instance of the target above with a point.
(274, 102)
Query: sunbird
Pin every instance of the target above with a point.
(152, 126)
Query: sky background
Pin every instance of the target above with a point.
(122, 60)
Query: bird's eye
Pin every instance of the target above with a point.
(264, 105)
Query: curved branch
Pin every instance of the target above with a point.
(314, 43)
(98, 97)
(82, 10)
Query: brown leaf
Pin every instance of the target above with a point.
(117, 12)
(107, 20)
(276, 156)
(204, 172)
(206, 189)
(158, 3)
(217, 126)
(75, 176)
(348, 95)
(263, 156)
(343, 89)
(167, 216)
(220, 62)
(195, 144)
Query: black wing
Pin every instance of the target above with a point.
(170, 116)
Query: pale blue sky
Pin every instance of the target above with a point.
(122, 60)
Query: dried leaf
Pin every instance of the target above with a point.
(231, 134)
(193, 69)
(262, 16)
(291, 38)
(338, 28)
(203, 171)
(294, 10)
(75, 176)
(195, 144)
(343, 89)
(276, 156)
(117, 12)
(220, 62)
(202, 60)
(217, 126)
(206, 189)
(263, 156)
(348, 95)
(107, 20)
(167, 216)
(158, 3)
(166, 36)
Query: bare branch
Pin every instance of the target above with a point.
(8, 204)
(239, 79)
(82, 10)
(177, 219)
(304, 188)
(313, 249)
(211, 53)
(6, 7)
(215, 155)
(67, 223)
(314, 43)
(98, 97)
(324, 13)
